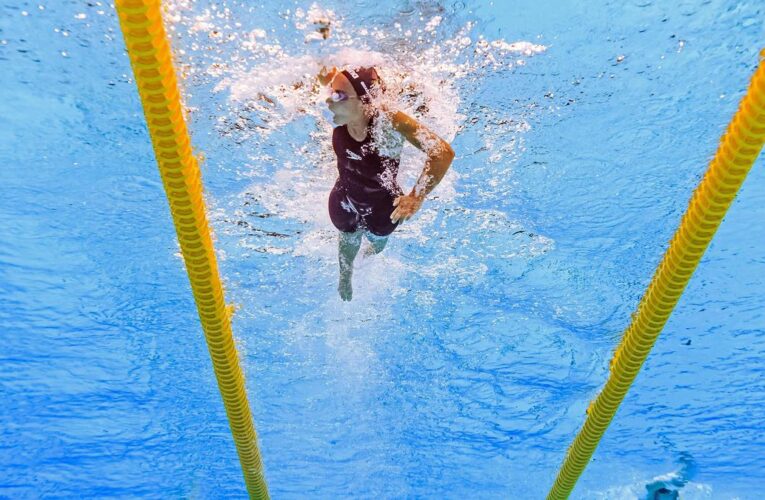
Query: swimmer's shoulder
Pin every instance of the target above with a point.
(401, 122)
(416, 133)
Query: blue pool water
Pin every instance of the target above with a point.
(473, 345)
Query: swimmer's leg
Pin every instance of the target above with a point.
(376, 243)
(347, 247)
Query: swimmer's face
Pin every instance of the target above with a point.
(347, 110)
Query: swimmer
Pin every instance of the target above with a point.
(668, 487)
(366, 200)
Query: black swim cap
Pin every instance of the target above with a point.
(362, 80)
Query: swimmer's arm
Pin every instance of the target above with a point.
(440, 153)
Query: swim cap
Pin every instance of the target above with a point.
(362, 80)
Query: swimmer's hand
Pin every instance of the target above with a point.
(326, 75)
(406, 206)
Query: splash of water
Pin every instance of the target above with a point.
(269, 102)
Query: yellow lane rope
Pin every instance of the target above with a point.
(739, 148)
(150, 56)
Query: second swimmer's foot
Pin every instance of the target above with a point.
(345, 288)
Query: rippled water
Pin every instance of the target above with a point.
(473, 344)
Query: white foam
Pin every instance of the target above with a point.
(637, 490)
(269, 89)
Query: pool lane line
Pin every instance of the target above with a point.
(151, 59)
(739, 147)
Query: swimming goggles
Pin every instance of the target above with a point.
(340, 96)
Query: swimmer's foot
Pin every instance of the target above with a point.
(345, 287)
(375, 245)
(368, 251)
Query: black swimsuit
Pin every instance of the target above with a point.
(366, 186)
